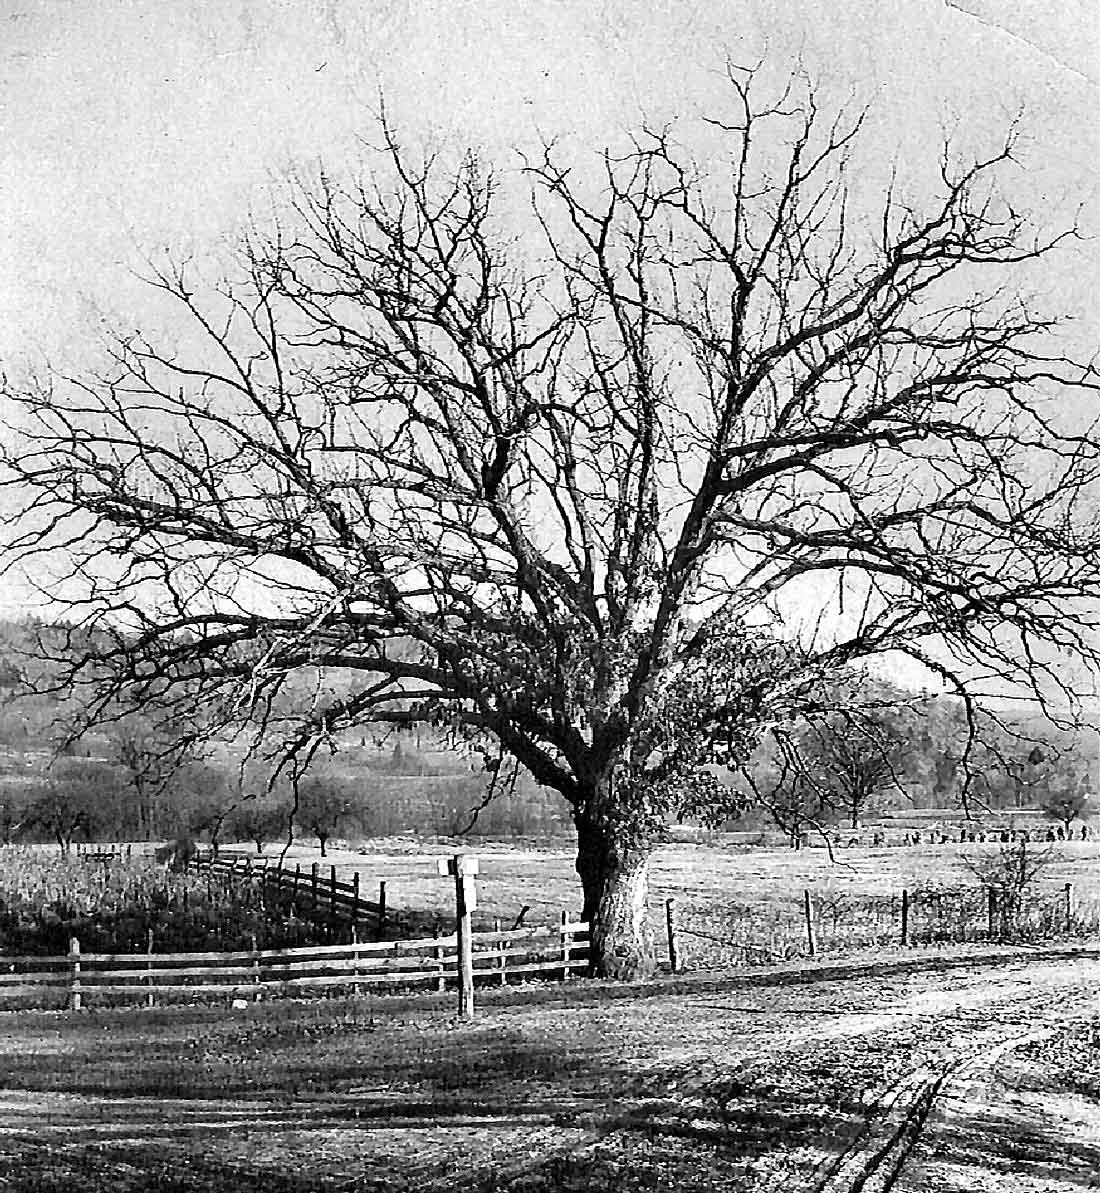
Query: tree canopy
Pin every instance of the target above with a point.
(607, 488)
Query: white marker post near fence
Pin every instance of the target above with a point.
(464, 868)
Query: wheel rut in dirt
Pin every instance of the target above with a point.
(823, 1082)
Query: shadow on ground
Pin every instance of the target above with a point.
(195, 1099)
(527, 1119)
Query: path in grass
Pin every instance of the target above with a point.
(757, 1081)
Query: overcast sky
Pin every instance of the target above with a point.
(131, 125)
(128, 126)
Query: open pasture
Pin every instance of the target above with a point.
(734, 903)
(727, 893)
(697, 873)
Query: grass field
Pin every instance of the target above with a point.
(705, 872)
(735, 903)
(748, 897)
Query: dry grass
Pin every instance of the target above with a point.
(747, 896)
(47, 897)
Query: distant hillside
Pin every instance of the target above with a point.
(403, 782)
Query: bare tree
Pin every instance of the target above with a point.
(789, 795)
(562, 497)
(147, 755)
(1066, 807)
(1061, 781)
(326, 806)
(77, 796)
(854, 762)
(1012, 873)
(259, 821)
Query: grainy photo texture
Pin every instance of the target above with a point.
(549, 597)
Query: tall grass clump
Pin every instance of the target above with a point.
(46, 898)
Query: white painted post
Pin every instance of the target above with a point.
(464, 867)
(355, 987)
(74, 981)
(149, 998)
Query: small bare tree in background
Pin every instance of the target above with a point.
(1066, 807)
(609, 490)
(1011, 873)
(326, 807)
(855, 760)
(259, 821)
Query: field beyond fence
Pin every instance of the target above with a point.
(834, 922)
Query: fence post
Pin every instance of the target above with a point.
(381, 910)
(566, 945)
(1069, 906)
(464, 868)
(149, 998)
(355, 900)
(905, 918)
(811, 934)
(332, 890)
(355, 958)
(502, 947)
(75, 1001)
(314, 871)
(991, 911)
(255, 969)
(440, 958)
(673, 939)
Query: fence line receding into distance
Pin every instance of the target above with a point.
(312, 893)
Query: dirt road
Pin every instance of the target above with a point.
(916, 1072)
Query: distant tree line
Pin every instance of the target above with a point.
(882, 750)
(862, 755)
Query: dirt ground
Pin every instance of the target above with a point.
(961, 1070)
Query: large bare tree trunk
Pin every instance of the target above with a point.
(615, 881)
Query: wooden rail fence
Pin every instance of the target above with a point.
(312, 893)
(78, 978)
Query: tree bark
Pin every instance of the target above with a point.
(614, 875)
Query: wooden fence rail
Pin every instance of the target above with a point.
(78, 977)
(313, 893)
